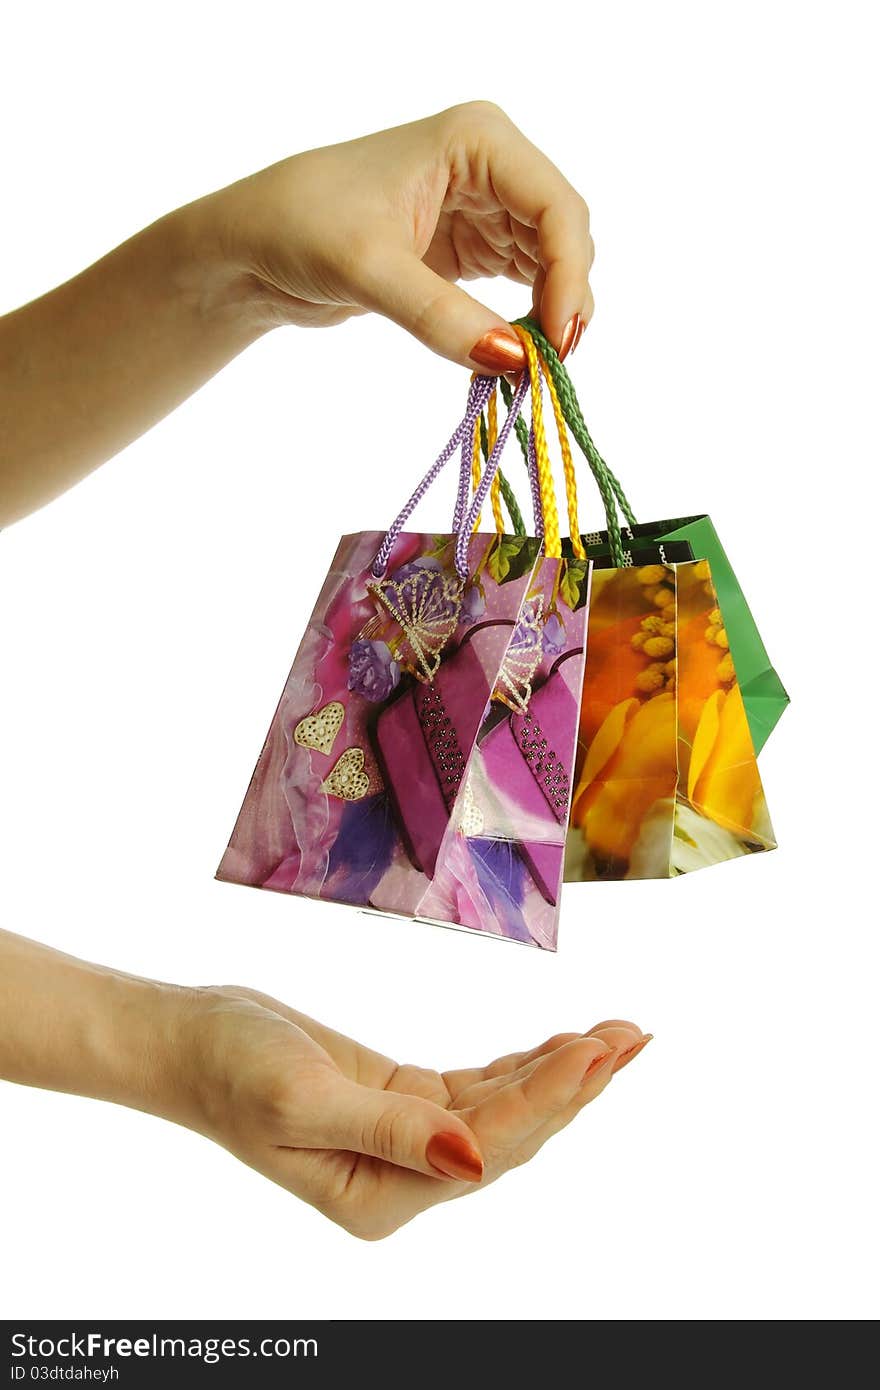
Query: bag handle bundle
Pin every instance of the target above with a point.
(567, 412)
(479, 393)
(467, 436)
(534, 444)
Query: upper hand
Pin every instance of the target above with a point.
(368, 1142)
(390, 221)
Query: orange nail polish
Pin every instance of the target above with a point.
(500, 350)
(582, 328)
(568, 332)
(597, 1063)
(454, 1157)
(626, 1057)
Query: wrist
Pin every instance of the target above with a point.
(212, 266)
(132, 1047)
(68, 1025)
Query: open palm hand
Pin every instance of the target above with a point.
(368, 1142)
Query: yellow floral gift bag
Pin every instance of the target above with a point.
(666, 778)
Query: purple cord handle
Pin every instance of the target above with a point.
(479, 394)
(467, 454)
(470, 521)
(535, 486)
(464, 479)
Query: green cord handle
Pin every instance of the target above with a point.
(613, 496)
(522, 429)
(573, 414)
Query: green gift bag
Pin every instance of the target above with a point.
(669, 541)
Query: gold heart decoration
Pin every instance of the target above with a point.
(348, 779)
(319, 730)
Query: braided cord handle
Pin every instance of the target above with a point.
(475, 454)
(542, 470)
(501, 489)
(483, 439)
(464, 535)
(491, 439)
(574, 415)
(479, 394)
(523, 436)
(613, 496)
(574, 529)
(507, 492)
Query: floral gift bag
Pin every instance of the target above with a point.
(420, 759)
(667, 778)
(666, 775)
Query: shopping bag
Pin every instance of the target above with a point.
(386, 780)
(694, 537)
(690, 537)
(666, 776)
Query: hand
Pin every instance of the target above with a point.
(368, 1142)
(385, 223)
(389, 221)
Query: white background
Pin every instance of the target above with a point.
(150, 616)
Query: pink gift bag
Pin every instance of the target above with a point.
(420, 759)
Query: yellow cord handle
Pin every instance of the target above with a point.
(567, 464)
(476, 465)
(552, 542)
(495, 492)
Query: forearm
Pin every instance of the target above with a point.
(93, 364)
(66, 1025)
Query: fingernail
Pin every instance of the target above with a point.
(597, 1063)
(568, 333)
(582, 328)
(500, 350)
(454, 1157)
(624, 1058)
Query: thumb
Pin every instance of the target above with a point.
(404, 1130)
(443, 316)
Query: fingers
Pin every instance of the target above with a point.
(509, 1126)
(403, 1130)
(516, 1120)
(476, 1093)
(536, 194)
(592, 1087)
(565, 257)
(620, 1056)
(626, 1038)
(535, 198)
(619, 1033)
(502, 1068)
(441, 315)
(509, 1116)
(576, 326)
(615, 1023)
(459, 1081)
(501, 1126)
